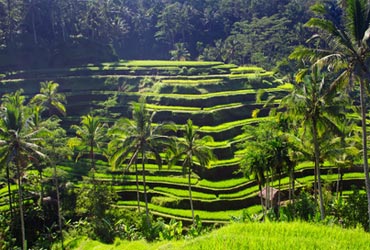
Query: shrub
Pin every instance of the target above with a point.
(172, 230)
(354, 211)
(303, 208)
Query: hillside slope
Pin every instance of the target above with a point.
(219, 98)
(258, 236)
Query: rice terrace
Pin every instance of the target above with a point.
(184, 124)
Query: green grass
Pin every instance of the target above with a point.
(248, 192)
(191, 81)
(224, 216)
(163, 179)
(256, 236)
(280, 236)
(183, 193)
(247, 69)
(251, 75)
(4, 190)
(208, 95)
(83, 243)
(162, 63)
(229, 125)
(223, 184)
(183, 109)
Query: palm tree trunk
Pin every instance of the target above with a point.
(145, 192)
(137, 189)
(364, 145)
(41, 188)
(341, 185)
(292, 194)
(20, 202)
(272, 189)
(92, 158)
(279, 196)
(315, 181)
(338, 181)
(9, 190)
(190, 196)
(317, 166)
(261, 199)
(58, 205)
(267, 191)
(290, 188)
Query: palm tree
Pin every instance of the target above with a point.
(254, 164)
(266, 154)
(139, 137)
(180, 52)
(56, 148)
(50, 99)
(18, 144)
(343, 150)
(344, 34)
(313, 104)
(189, 149)
(89, 136)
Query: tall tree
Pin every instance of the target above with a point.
(139, 138)
(343, 30)
(190, 149)
(266, 154)
(50, 99)
(314, 105)
(89, 137)
(18, 144)
(53, 135)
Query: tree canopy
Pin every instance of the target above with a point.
(53, 33)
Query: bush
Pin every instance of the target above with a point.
(354, 211)
(6, 240)
(304, 208)
(172, 230)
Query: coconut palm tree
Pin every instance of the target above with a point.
(19, 144)
(54, 136)
(344, 32)
(56, 148)
(314, 105)
(254, 165)
(136, 138)
(190, 149)
(90, 135)
(266, 154)
(50, 99)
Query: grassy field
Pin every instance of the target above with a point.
(274, 236)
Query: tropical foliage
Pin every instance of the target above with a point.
(289, 144)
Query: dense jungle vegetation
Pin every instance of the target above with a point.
(184, 124)
(58, 33)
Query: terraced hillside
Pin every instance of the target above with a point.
(219, 98)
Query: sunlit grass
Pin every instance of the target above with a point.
(295, 235)
(185, 109)
(247, 69)
(183, 193)
(229, 125)
(251, 75)
(230, 183)
(150, 63)
(186, 213)
(237, 236)
(191, 81)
